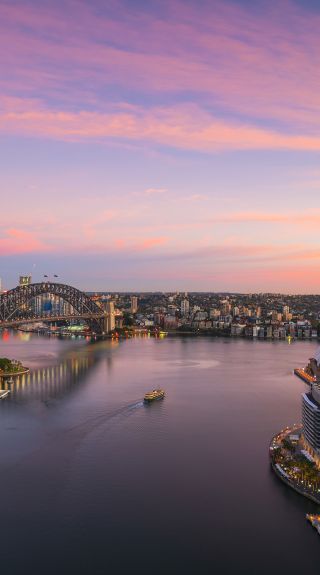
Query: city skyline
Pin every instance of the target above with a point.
(161, 146)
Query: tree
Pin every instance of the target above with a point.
(10, 366)
(288, 445)
(128, 319)
(5, 364)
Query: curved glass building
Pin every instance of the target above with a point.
(311, 421)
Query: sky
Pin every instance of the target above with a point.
(161, 144)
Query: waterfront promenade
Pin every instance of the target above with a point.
(293, 465)
(306, 377)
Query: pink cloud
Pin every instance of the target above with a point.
(217, 79)
(140, 245)
(119, 245)
(18, 241)
(228, 57)
(185, 127)
(285, 279)
(300, 219)
(151, 243)
(240, 256)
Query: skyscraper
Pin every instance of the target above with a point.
(185, 306)
(134, 304)
(110, 321)
(311, 415)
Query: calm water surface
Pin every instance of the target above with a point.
(94, 482)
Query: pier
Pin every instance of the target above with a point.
(314, 520)
(300, 372)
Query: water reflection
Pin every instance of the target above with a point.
(51, 381)
(120, 487)
(9, 335)
(71, 368)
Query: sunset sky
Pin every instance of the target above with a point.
(161, 145)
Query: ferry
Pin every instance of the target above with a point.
(154, 395)
(314, 520)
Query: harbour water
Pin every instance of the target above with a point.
(95, 482)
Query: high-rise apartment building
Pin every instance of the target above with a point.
(311, 421)
(185, 306)
(311, 416)
(110, 320)
(134, 304)
(287, 316)
(225, 306)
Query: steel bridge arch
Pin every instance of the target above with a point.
(12, 301)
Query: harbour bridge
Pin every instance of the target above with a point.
(16, 308)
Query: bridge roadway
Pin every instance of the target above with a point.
(50, 319)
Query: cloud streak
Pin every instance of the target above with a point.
(138, 126)
(255, 81)
(184, 127)
(299, 219)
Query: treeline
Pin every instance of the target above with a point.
(10, 365)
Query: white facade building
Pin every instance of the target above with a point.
(185, 307)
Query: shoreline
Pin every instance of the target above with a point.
(188, 333)
(289, 484)
(15, 373)
(282, 476)
(308, 379)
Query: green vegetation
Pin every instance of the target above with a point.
(128, 319)
(10, 365)
(288, 445)
(303, 473)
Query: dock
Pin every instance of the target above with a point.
(300, 372)
(314, 520)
